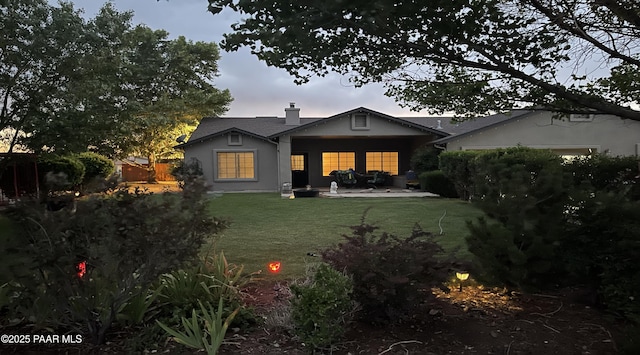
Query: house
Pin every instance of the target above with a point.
(569, 135)
(263, 153)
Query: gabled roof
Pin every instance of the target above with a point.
(413, 124)
(268, 128)
(272, 127)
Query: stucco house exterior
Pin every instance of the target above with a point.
(569, 135)
(263, 153)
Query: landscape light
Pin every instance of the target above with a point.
(274, 267)
(82, 269)
(462, 276)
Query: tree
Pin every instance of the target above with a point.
(68, 85)
(171, 85)
(59, 77)
(466, 56)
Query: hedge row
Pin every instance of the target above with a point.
(551, 223)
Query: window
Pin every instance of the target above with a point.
(234, 139)
(580, 117)
(383, 161)
(235, 165)
(297, 162)
(337, 161)
(359, 121)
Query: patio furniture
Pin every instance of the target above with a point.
(412, 180)
(378, 178)
(345, 178)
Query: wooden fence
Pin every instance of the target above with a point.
(135, 173)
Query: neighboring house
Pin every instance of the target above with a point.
(263, 153)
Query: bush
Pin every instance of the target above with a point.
(83, 267)
(213, 279)
(601, 245)
(604, 173)
(60, 173)
(388, 271)
(322, 307)
(522, 190)
(187, 171)
(550, 224)
(425, 159)
(204, 330)
(459, 167)
(96, 166)
(435, 182)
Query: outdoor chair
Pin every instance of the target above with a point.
(345, 178)
(412, 180)
(379, 178)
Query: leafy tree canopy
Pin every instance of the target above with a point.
(68, 84)
(466, 56)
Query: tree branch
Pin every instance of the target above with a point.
(559, 20)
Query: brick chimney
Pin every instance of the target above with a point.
(292, 115)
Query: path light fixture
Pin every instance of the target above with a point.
(274, 267)
(462, 276)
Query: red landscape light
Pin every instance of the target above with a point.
(274, 266)
(82, 268)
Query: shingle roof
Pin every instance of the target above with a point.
(260, 126)
(269, 127)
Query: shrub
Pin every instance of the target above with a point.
(522, 190)
(96, 166)
(187, 171)
(59, 173)
(435, 182)
(124, 242)
(459, 167)
(213, 279)
(601, 246)
(389, 271)
(552, 225)
(604, 173)
(204, 331)
(425, 159)
(322, 307)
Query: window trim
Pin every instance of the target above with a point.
(229, 140)
(215, 165)
(367, 125)
(579, 117)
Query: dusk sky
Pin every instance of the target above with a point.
(257, 90)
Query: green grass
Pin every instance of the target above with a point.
(264, 227)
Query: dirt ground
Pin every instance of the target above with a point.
(475, 320)
(161, 186)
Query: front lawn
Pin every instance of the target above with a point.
(264, 227)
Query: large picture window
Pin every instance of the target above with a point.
(235, 165)
(337, 161)
(383, 161)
